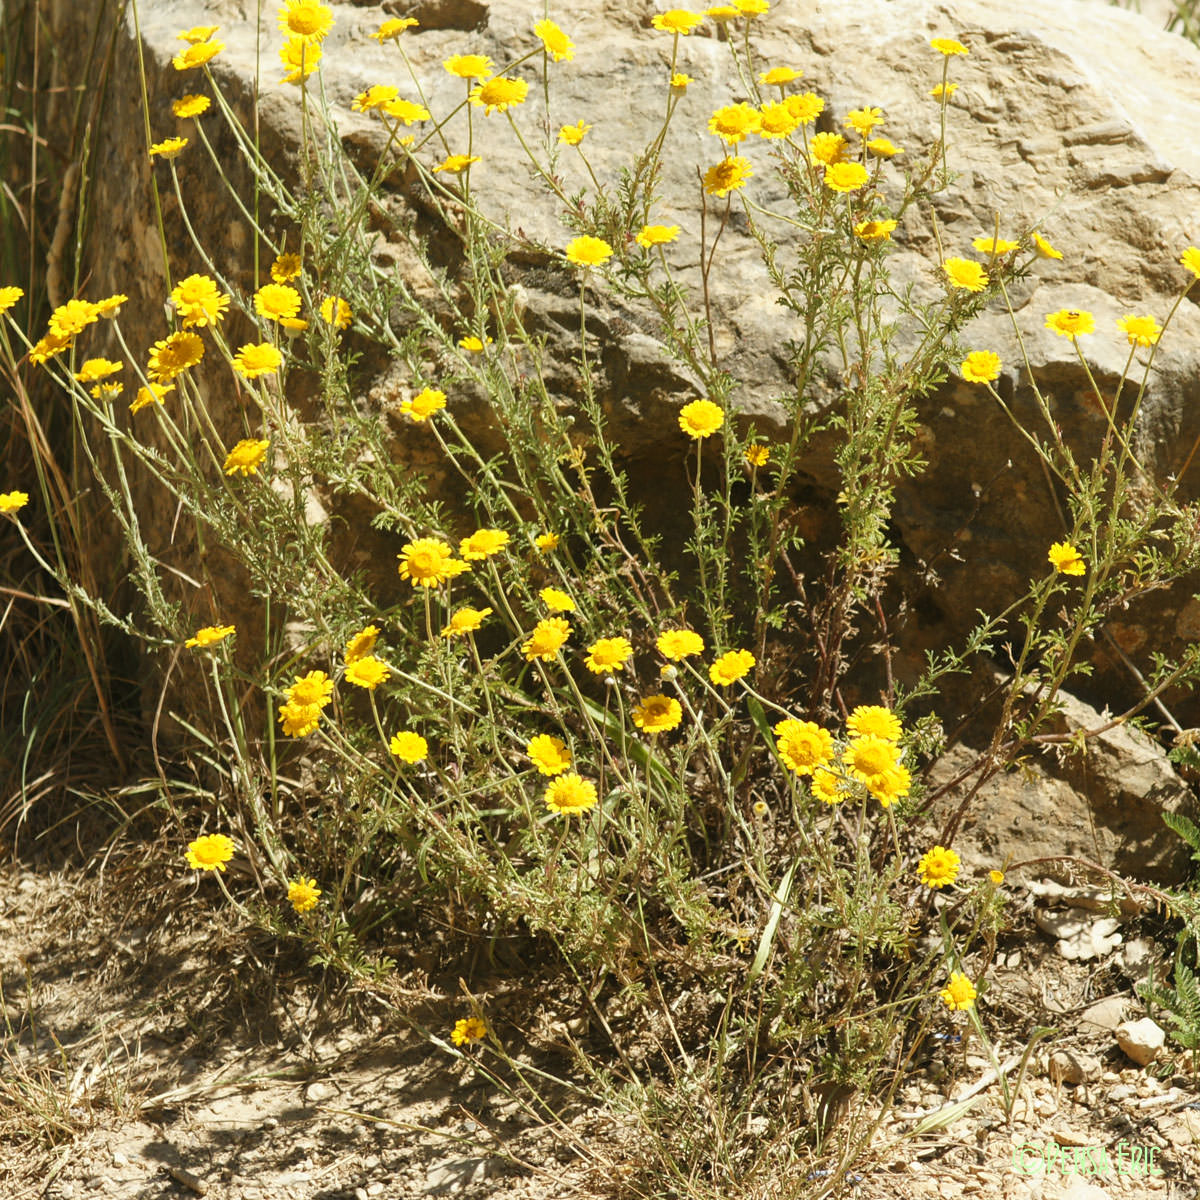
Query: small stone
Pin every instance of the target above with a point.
(270, 1123)
(1071, 1066)
(376, 1188)
(1106, 1014)
(119, 1159)
(1141, 1040)
(318, 1091)
(360, 1193)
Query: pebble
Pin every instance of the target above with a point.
(1072, 1066)
(374, 1189)
(270, 1123)
(1141, 1040)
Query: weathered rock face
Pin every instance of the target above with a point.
(1078, 119)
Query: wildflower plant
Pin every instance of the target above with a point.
(531, 713)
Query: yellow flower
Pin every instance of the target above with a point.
(465, 620)
(390, 30)
(873, 720)
(361, 644)
(846, 176)
(758, 456)
(965, 273)
(469, 1029)
(408, 746)
(863, 120)
(948, 46)
(174, 355)
(549, 754)
(657, 714)
(190, 105)
(996, 877)
(1190, 258)
(828, 786)
(73, 317)
(752, 8)
(427, 562)
(944, 90)
(150, 395)
(246, 457)
(196, 55)
(469, 66)
(546, 542)
(1141, 331)
(276, 301)
(209, 636)
(556, 600)
(701, 418)
(588, 251)
(9, 296)
(198, 33)
(108, 391)
(572, 135)
(305, 19)
(735, 122)
(257, 358)
(727, 176)
(97, 368)
(981, 366)
(546, 639)
(110, 305)
(483, 543)
(286, 267)
(875, 231)
(303, 894)
(48, 347)
(959, 993)
(377, 95)
(827, 148)
(1043, 247)
(677, 21)
(570, 794)
(875, 761)
(776, 120)
(806, 107)
(499, 94)
(1070, 322)
(456, 164)
(314, 690)
(198, 301)
(344, 315)
(656, 235)
(678, 644)
(777, 76)
(299, 720)
(938, 867)
(424, 404)
(731, 667)
(608, 654)
(883, 147)
(1066, 559)
(472, 344)
(557, 44)
(300, 57)
(803, 745)
(722, 12)
(367, 672)
(680, 81)
(994, 246)
(210, 853)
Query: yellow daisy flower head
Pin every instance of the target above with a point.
(701, 418)
(758, 456)
(959, 993)
(425, 562)
(48, 346)
(803, 745)
(776, 120)
(677, 21)
(299, 720)
(108, 391)
(174, 355)
(572, 135)
(806, 107)
(73, 317)
(300, 57)
(150, 395)
(721, 12)
(210, 635)
(274, 301)
(408, 746)
(588, 251)
(456, 164)
(305, 19)
(994, 246)
(1190, 258)
(948, 46)
(828, 786)
(752, 8)
(570, 794)
(424, 404)
(656, 235)
(483, 543)
(996, 877)
(1141, 331)
(469, 66)
(198, 33)
(1043, 247)
(875, 762)
(499, 94)
(390, 30)
(678, 644)
(256, 359)
(846, 176)
(246, 457)
(196, 55)
(827, 148)
(199, 302)
(731, 667)
(210, 853)
(286, 267)
(376, 96)
(1071, 322)
(169, 148)
(303, 894)
(938, 867)
(472, 344)
(863, 120)
(464, 621)
(361, 644)
(608, 654)
(9, 296)
(190, 105)
(97, 368)
(110, 306)
(556, 600)
(468, 1030)
(680, 81)
(546, 640)
(556, 43)
(873, 720)
(735, 122)
(981, 366)
(944, 90)
(965, 273)
(336, 312)
(875, 231)
(727, 176)
(777, 76)
(367, 672)
(549, 754)
(546, 542)
(657, 714)
(883, 147)
(1066, 559)
(313, 689)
